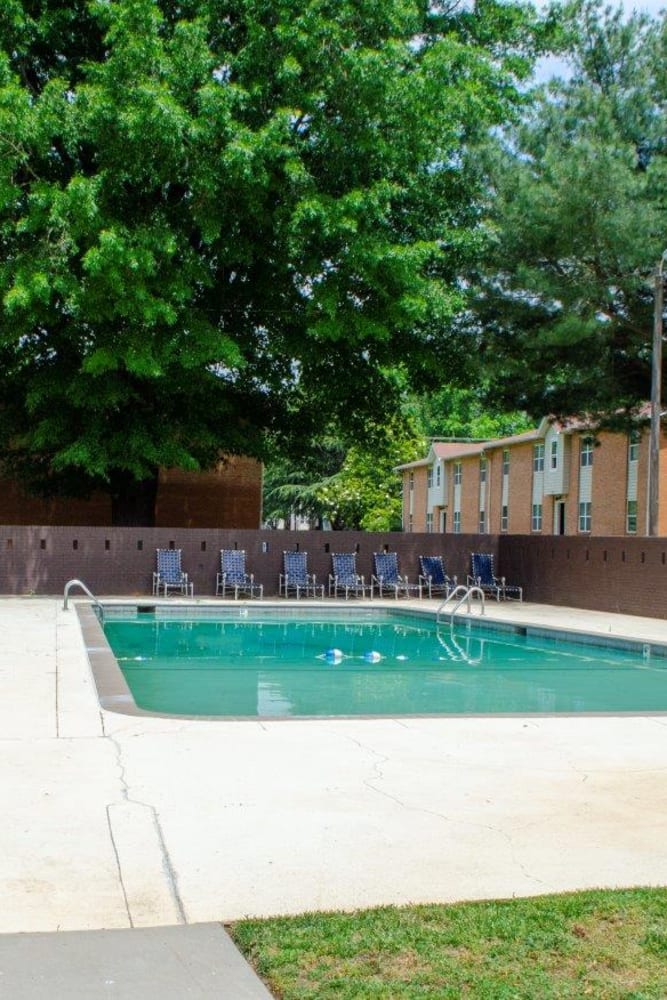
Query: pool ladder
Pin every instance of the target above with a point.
(81, 584)
(464, 594)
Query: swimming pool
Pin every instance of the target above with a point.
(263, 663)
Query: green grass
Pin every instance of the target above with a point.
(602, 944)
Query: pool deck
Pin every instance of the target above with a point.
(113, 821)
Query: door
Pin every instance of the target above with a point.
(559, 517)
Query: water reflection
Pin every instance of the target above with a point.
(348, 668)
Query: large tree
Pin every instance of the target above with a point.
(220, 218)
(579, 205)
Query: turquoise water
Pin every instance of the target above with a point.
(386, 666)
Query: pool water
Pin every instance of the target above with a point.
(388, 665)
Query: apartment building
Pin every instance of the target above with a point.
(556, 479)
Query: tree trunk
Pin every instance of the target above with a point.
(133, 500)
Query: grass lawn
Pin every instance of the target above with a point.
(602, 944)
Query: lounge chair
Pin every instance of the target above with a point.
(295, 578)
(387, 576)
(433, 578)
(169, 575)
(233, 576)
(483, 576)
(344, 576)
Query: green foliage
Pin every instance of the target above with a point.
(462, 413)
(220, 219)
(366, 493)
(292, 485)
(354, 488)
(565, 312)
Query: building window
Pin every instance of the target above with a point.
(437, 474)
(482, 522)
(538, 458)
(411, 481)
(410, 522)
(554, 454)
(429, 477)
(506, 462)
(633, 447)
(482, 470)
(458, 473)
(504, 518)
(429, 523)
(585, 515)
(586, 452)
(457, 522)
(631, 517)
(536, 520)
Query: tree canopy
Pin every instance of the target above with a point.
(221, 219)
(564, 304)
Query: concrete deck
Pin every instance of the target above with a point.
(111, 821)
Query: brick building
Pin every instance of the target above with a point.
(556, 479)
(229, 496)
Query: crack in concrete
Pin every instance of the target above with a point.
(167, 866)
(119, 867)
(497, 831)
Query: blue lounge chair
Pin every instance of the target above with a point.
(387, 577)
(483, 576)
(169, 575)
(344, 576)
(433, 578)
(233, 576)
(295, 578)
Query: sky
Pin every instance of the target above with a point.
(651, 6)
(547, 68)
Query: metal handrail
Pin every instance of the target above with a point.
(79, 583)
(459, 589)
(465, 596)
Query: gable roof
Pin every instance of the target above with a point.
(448, 450)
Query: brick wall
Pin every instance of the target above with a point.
(228, 496)
(605, 574)
(610, 489)
(520, 489)
(17, 507)
(469, 494)
(420, 500)
(662, 516)
(494, 486)
(627, 575)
